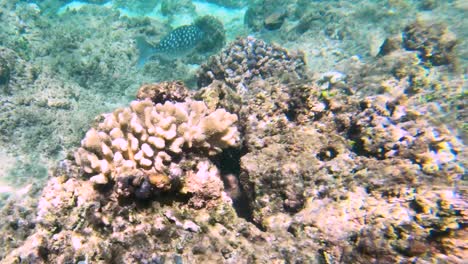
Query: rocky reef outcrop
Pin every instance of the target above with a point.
(265, 157)
(248, 59)
(434, 41)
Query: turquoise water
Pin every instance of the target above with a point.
(65, 63)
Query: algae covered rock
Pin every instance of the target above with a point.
(261, 14)
(275, 20)
(434, 41)
(390, 44)
(214, 34)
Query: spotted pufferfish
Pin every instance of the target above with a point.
(178, 43)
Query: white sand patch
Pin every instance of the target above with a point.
(77, 5)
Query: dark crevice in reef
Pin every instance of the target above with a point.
(355, 133)
(292, 112)
(229, 165)
(327, 154)
(133, 200)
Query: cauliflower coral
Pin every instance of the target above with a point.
(153, 145)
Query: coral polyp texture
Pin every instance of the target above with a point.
(247, 59)
(149, 144)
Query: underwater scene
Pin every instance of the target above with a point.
(233, 131)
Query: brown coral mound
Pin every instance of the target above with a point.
(215, 34)
(433, 40)
(248, 59)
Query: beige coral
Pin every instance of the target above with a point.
(147, 137)
(205, 185)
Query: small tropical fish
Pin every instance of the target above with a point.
(178, 43)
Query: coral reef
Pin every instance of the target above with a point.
(220, 95)
(325, 173)
(399, 71)
(55, 88)
(387, 128)
(290, 159)
(248, 59)
(268, 162)
(75, 222)
(316, 142)
(162, 92)
(434, 41)
(19, 221)
(83, 46)
(331, 31)
(151, 148)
